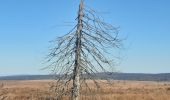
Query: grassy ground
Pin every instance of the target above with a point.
(119, 90)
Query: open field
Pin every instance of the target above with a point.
(119, 90)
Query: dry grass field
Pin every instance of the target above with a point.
(119, 90)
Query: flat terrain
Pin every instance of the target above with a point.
(118, 90)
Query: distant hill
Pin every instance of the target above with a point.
(114, 76)
(27, 77)
(135, 76)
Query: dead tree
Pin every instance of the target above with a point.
(81, 53)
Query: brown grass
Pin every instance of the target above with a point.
(119, 90)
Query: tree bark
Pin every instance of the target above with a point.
(76, 71)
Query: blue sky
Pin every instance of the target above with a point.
(27, 26)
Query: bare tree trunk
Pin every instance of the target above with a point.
(76, 72)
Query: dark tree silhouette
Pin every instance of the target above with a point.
(83, 52)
